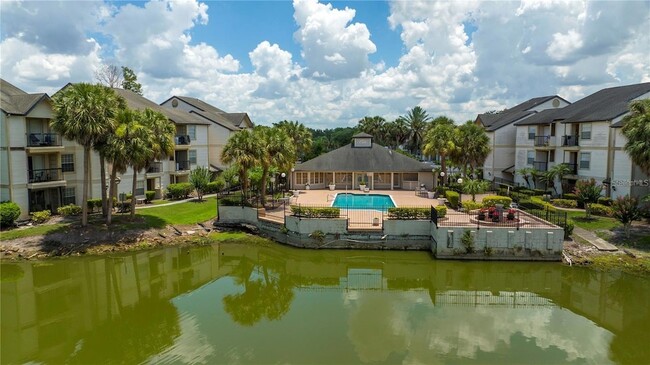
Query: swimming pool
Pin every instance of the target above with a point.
(363, 201)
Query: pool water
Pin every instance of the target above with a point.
(363, 201)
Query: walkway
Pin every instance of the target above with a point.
(171, 202)
(594, 240)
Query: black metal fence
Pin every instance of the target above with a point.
(506, 217)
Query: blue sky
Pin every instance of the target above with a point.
(331, 64)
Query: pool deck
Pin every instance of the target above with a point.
(402, 198)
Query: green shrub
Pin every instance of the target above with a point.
(599, 209)
(442, 211)
(470, 205)
(564, 203)
(468, 241)
(9, 212)
(603, 200)
(179, 191)
(312, 212)
(517, 197)
(150, 195)
(215, 186)
(570, 196)
(41, 217)
(69, 209)
(231, 201)
(453, 198)
(544, 204)
(492, 200)
(568, 228)
(411, 213)
(529, 204)
(93, 204)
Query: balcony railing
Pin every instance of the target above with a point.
(154, 168)
(182, 139)
(573, 167)
(542, 141)
(540, 165)
(45, 175)
(182, 165)
(43, 140)
(570, 141)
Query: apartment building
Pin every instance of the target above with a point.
(500, 163)
(587, 137)
(221, 124)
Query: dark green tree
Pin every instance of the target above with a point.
(130, 81)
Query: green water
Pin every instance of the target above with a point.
(240, 304)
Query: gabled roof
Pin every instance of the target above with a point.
(216, 118)
(376, 159)
(544, 117)
(197, 103)
(604, 105)
(15, 101)
(362, 135)
(232, 121)
(139, 102)
(492, 122)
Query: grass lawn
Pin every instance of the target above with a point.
(32, 231)
(594, 222)
(185, 213)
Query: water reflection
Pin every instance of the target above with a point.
(250, 304)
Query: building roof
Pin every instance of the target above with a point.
(375, 159)
(604, 105)
(15, 101)
(231, 121)
(362, 135)
(139, 102)
(492, 122)
(544, 117)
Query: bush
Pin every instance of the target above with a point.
(599, 209)
(41, 217)
(564, 203)
(568, 228)
(492, 200)
(9, 212)
(603, 200)
(150, 195)
(626, 210)
(232, 201)
(570, 196)
(215, 186)
(442, 211)
(179, 191)
(310, 212)
(470, 205)
(409, 213)
(453, 198)
(69, 209)
(517, 197)
(544, 204)
(94, 203)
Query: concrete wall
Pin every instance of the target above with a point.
(307, 226)
(504, 243)
(394, 227)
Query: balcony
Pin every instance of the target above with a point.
(573, 167)
(540, 165)
(45, 175)
(542, 141)
(182, 140)
(570, 141)
(182, 166)
(155, 168)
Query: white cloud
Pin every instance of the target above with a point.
(563, 45)
(331, 46)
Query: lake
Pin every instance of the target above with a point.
(269, 304)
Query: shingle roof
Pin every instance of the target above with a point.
(492, 122)
(139, 102)
(15, 101)
(362, 134)
(376, 159)
(200, 104)
(604, 105)
(544, 117)
(231, 121)
(219, 119)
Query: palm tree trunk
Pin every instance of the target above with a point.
(265, 172)
(103, 185)
(111, 194)
(85, 188)
(135, 180)
(443, 168)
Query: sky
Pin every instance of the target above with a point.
(329, 64)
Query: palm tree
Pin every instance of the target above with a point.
(373, 126)
(417, 119)
(276, 151)
(85, 113)
(636, 129)
(526, 173)
(475, 186)
(473, 146)
(242, 149)
(301, 136)
(440, 140)
(558, 171)
(401, 131)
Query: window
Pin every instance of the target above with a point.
(381, 178)
(67, 162)
(585, 131)
(191, 154)
(139, 188)
(530, 157)
(551, 156)
(69, 196)
(585, 160)
(552, 129)
(191, 131)
(317, 177)
(301, 178)
(531, 132)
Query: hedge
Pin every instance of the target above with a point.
(453, 198)
(544, 204)
(492, 200)
(311, 212)
(605, 201)
(41, 217)
(69, 209)
(415, 213)
(564, 203)
(9, 212)
(470, 205)
(599, 209)
(570, 196)
(94, 203)
(179, 191)
(150, 195)
(215, 186)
